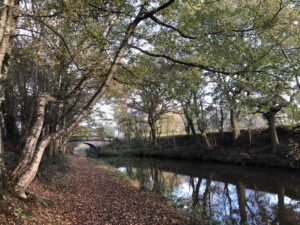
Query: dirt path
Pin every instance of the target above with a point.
(93, 195)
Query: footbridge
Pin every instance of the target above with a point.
(95, 142)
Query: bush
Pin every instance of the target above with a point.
(51, 165)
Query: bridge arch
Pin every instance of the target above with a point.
(93, 147)
(81, 145)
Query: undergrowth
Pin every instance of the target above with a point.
(50, 166)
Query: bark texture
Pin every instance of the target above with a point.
(8, 22)
(234, 121)
(32, 139)
(153, 129)
(26, 178)
(270, 116)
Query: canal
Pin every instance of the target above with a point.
(216, 193)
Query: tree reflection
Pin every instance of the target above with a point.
(286, 214)
(195, 184)
(211, 197)
(240, 189)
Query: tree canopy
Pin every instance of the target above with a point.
(212, 62)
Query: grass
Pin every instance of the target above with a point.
(100, 163)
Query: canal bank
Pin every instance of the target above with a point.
(256, 152)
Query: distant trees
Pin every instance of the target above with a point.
(190, 88)
(148, 95)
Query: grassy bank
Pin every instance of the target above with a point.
(256, 152)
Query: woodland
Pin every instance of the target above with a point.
(222, 66)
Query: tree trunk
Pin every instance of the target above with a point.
(270, 116)
(187, 126)
(234, 125)
(8, 22)
(26, 178)
(207, 142)
(221, 121)
(203, 134)
(32, 139)
(55, 147)
(153, 130)
(192, 127)
(1, 156)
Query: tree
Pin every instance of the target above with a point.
(66, 54)
(150, 96)
(190, 89)
(8, 22)
(29, 163)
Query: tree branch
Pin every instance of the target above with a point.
(190, 64)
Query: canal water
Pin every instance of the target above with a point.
(218, 194)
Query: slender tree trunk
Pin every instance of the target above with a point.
(192, 127)
(207, 142)
(152, 124)
(221, 121)
(249, 138)
(203, 134)
(55, 147)
(270, 116)
(8, 22)
(1, 156)
(234, 121)
(186, 125)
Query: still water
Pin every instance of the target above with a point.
(218, 194)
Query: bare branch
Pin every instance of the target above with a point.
(191, 64)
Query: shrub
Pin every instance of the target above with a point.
(51, 165)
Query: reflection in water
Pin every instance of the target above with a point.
(227, 194)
